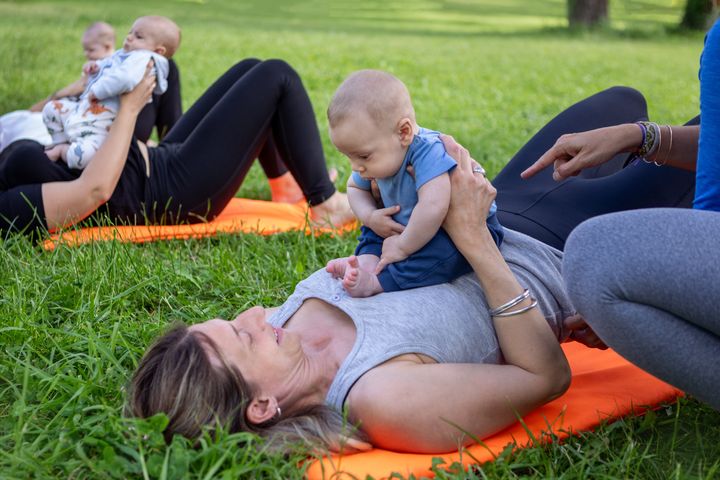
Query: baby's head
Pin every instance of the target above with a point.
(98, 41)
(372, 122)
(155, 33)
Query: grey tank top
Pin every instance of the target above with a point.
(448, 322)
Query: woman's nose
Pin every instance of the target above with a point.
(253, 316)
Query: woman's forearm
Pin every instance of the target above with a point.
(101, 175)
(73, 89)
(69, 202)
(526, 339)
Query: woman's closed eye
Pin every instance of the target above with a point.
(244, 333)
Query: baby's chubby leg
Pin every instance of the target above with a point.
(55, 115)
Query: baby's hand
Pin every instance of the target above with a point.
(392, 252)
(90, 68)
(382, 223)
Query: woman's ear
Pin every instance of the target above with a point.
(261, 409)
(405, 130)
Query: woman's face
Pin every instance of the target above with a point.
(265, 355)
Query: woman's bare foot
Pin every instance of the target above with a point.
(337, 267)
(359, 282)
(333, 212)
(285, 189)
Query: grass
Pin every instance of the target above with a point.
(74, 322)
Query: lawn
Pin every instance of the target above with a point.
(74, 322)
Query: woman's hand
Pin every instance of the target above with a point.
(581, 332)
(136, 99)
(575, 152)
(471, 196)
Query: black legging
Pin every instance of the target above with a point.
(549, 211)
(256, 109)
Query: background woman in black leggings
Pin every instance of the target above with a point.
(549, 210)
(255, 109)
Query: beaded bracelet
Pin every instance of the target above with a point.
(651, 134)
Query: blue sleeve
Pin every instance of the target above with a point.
(361, 182)
(430, 160)
(707, 186)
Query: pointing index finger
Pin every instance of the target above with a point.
(543, 162)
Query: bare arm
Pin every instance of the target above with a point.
(365, 209)
(575, 152)
(394, 402)
(69, 202)
(73, 89)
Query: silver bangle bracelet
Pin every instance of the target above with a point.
(518, 311)
(495, 311)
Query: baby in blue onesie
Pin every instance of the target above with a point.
(78, 128)
(372, 122)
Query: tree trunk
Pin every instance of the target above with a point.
(587, 13)
(699, 14)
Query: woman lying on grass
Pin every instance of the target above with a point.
(256, 109)
(415, 370)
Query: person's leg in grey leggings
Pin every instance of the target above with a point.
(648, 283)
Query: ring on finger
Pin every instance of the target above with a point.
(478, 169)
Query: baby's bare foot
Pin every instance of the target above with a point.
(56, 152)
(337, 267)
(358, 282)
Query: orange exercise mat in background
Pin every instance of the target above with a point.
(604, 387)
(241, 215)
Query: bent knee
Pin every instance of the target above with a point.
(627, 95)
(279, 67)
(590, 264)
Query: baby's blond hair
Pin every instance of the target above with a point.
(166, 32)
(100, 32)
(380, 95)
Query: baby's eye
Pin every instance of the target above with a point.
(363, 157)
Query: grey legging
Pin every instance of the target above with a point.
(648, 283)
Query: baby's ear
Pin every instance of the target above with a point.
(160, 50)
(405, 131)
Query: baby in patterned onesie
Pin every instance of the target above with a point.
(78, 128)
(402, 245)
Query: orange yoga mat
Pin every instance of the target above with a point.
(604, 387)
(241, 215)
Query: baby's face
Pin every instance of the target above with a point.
(141, 36)
(95, 49)
(373, 151)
